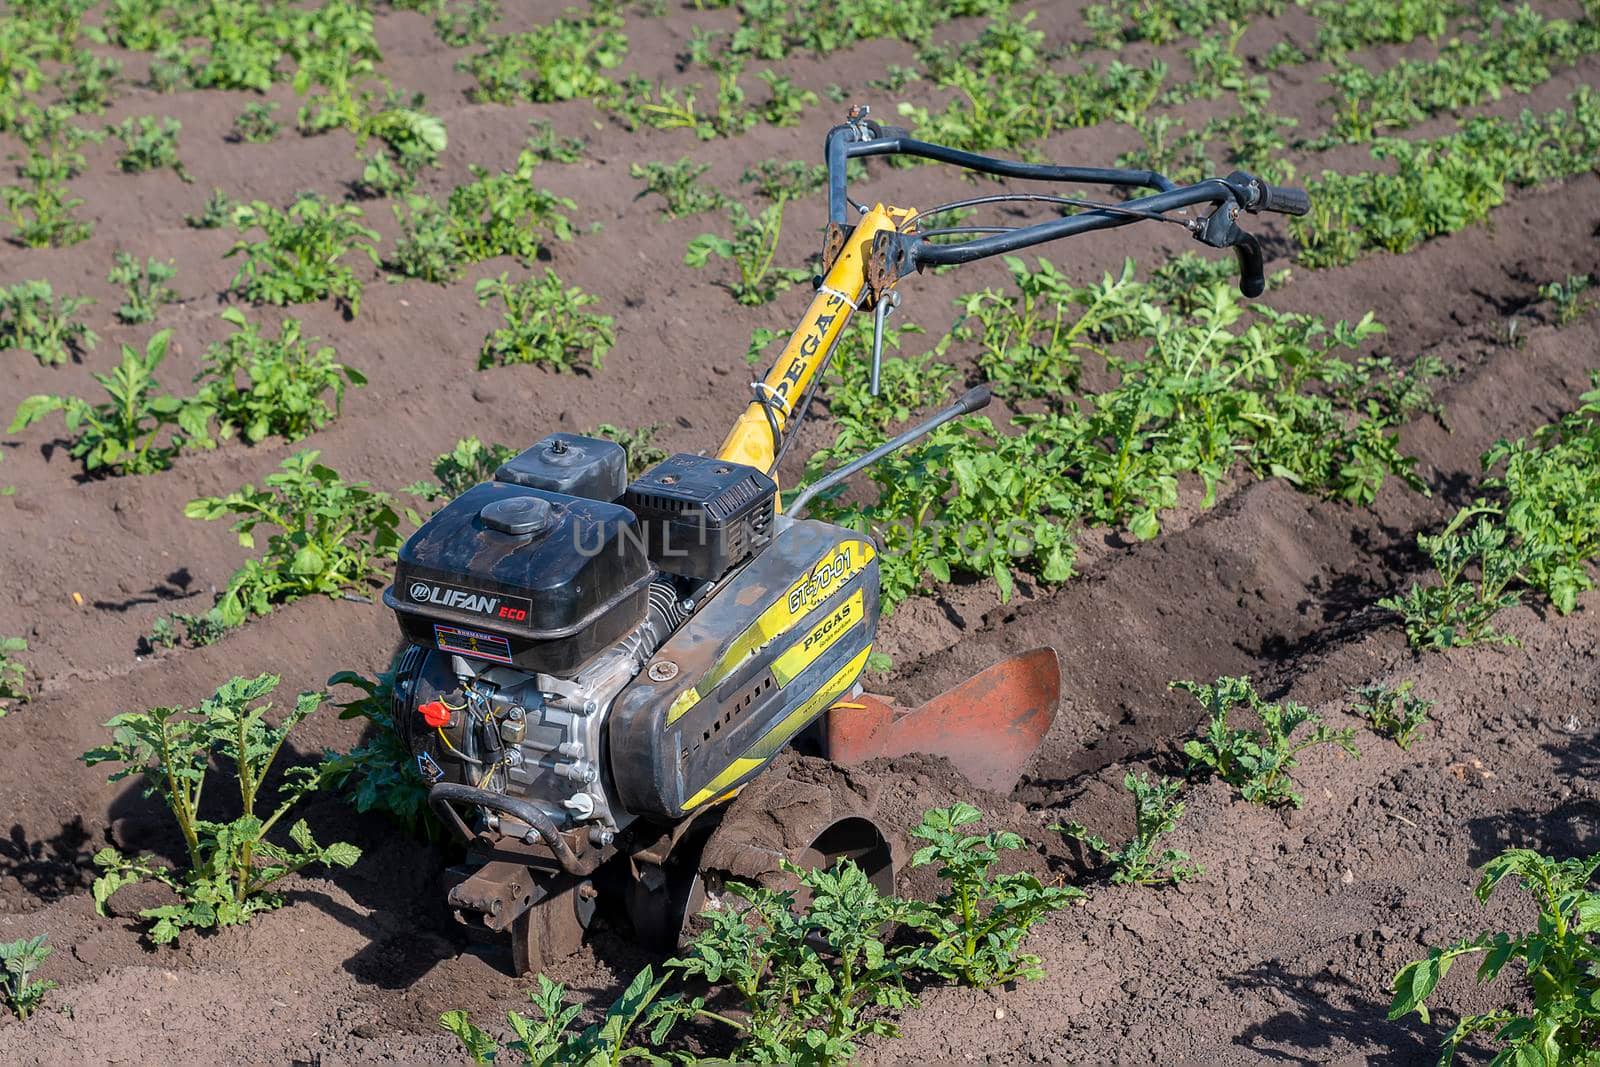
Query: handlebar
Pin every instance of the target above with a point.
(905, 252)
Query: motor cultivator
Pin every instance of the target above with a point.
(598, 670)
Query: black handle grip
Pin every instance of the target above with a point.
(1252, 271)
(975, 399)
(1284, 200)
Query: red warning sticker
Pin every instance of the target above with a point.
(472, 643)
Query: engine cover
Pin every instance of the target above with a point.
(508, 574)
(769, 652)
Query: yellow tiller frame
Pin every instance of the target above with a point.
(751, 440)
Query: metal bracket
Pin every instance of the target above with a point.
(833, 241)
(884, 308)
(892, 258)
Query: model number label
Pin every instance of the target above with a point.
(826, 577)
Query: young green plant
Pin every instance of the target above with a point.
(300, 257)
(332, 536)
(262, 386)
(13, 674)
(19, 960)
(550, 1039)
(753, 250)
(231, 865)
(976, 929)
(149, 143)
(1156, 811)
(145, 285)
(471, 461)
(1556, 1020)
(545, 323)
(1394, 712)
(121, 435)
(1258, 763)
(33, 320)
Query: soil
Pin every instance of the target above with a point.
(1282, 951)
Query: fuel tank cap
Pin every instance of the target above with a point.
(518, 515)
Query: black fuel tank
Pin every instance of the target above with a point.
(516, 575)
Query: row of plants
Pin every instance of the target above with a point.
(1534, 531)
(1434, 187)
(251, 385)
(1512, 51)
(1200, 387)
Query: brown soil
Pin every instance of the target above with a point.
(1282, 951)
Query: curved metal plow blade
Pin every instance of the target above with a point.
(988, 727)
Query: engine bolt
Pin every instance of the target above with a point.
(663, 670)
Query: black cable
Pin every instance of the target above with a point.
(1044, 198)
(765, 400)
(805, 404)
(946, 230)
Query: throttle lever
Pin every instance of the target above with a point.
(1252, 268)
(1221, 229)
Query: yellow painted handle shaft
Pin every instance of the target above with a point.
(750, 441)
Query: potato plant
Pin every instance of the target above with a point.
(1212, 385)
(548, 146)
(379, 774)
(1571, 297)
(975, 931)
(808, 982)
(470, 462)
(231, 865)
(19, 959)
(1551, 488)
(1556, 1019)
(332, 536)
(545, 324)
(1005, 92)
(1515, 50)
(550, 1038)
(206, 628)
(301, 255)
(34, 320)
(1478, 568)
(493, 215)
(1258, 763)
(255, 124)
(679, 186)
(13, 673)
(260, 386)
(88, 85)
(1156, 811)
(1443, 185)
(124, 434)
(217, 212)
(1394, 712)
(42, 210)
(726, 114)
(412, 140)
(639, 444)
(145, 286)
(465, 23)
(561, 59)
(149, 144)
(753, 250)
(1122, 22)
